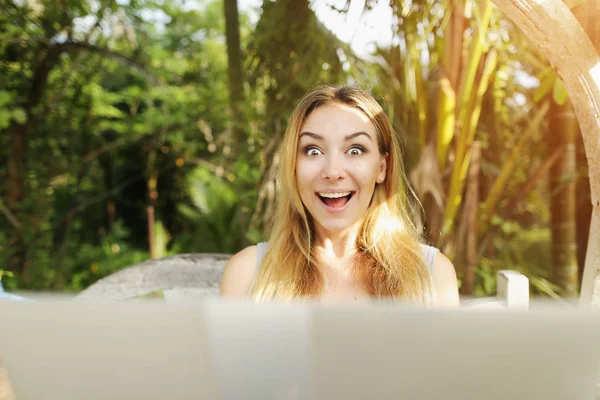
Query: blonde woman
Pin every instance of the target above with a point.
(343, 228)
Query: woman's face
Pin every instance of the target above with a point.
(338, 165)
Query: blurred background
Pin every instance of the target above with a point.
(137, 129)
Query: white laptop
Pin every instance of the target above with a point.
(220, 350)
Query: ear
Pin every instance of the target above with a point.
(382, 168)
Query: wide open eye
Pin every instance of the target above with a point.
(312, 151)
(356, 151)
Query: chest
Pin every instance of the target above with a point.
(342, 285)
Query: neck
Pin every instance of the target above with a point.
(336, 245)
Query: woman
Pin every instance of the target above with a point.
(343, 227)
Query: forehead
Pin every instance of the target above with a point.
(335, 119)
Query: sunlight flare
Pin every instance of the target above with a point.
(595, 74)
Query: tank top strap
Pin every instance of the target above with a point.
(262, 248)
(429, 253)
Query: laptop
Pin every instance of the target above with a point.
(237, 350)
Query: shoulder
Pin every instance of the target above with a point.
(239, 273)
(444, 281)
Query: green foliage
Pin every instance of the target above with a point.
(215, 212)
(549, 83)
(138, 115)
(309, 57)
(157, 295)
(525, 251)
(7, 274)
(8, 113)
(92, 262)
(145, 98)
(449, 105)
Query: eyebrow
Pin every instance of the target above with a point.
(347, 137)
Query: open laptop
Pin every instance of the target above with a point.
(223, 350)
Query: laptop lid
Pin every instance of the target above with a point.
(74, 351)
(222, 350)
(388, 352)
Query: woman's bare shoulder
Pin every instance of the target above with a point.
(445, 282)
(239, 273)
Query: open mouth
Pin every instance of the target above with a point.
(335, 200)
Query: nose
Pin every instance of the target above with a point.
(333, 168)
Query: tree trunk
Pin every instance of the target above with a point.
(450, 72)
(470, 220)
(18, 149)
(234, 72)
(15, 165)
(236, 88)
(453, 45)
(562, 129)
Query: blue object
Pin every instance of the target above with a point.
(8, 296)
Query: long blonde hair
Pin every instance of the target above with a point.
(389, 262)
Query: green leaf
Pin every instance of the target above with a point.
(19, 115)
(545, 73)
(5, 98)
(546, 85)
(6, 273)
(559, 93)
(4, 118)
(107, 111)
(161, 239)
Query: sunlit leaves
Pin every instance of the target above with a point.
(100, 120)
(8, 111)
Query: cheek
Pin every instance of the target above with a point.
(304, 175)
(307, 169)
(367, 172)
